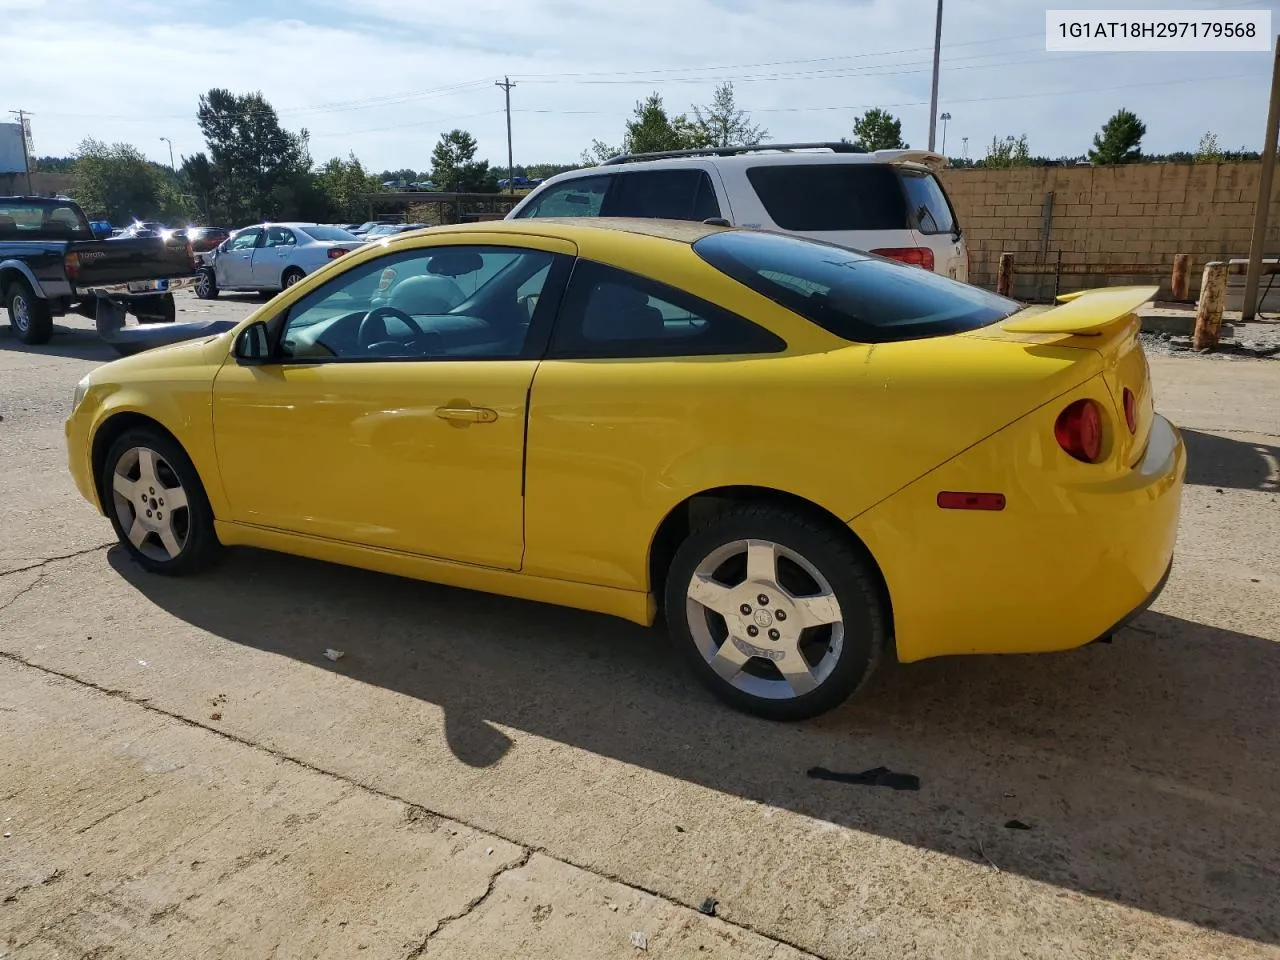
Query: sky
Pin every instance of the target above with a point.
(384, 78)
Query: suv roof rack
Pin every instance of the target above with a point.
(835, 146)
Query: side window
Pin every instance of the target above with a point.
(245, 239)
(281, 237)
(580, 197)
(929, 208)
(609, 312)
(457, 302)
(814, 197)
(663, 194)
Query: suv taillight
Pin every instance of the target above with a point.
(1078, 431)
(915, 256)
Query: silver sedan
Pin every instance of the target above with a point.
(272, 256)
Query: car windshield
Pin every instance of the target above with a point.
(856, 296)
(327, 233)
(30, 220)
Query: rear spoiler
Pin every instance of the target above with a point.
(934, 161)
(1085, 312)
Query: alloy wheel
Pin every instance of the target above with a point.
(151, 504)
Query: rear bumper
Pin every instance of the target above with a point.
(140, 288)
(1065, 563)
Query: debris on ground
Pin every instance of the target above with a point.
(1017, 825)
(332, 654)
(639, 940)
(877, 777)
(216, 715)
(709, 906)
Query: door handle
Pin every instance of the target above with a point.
(467, 414)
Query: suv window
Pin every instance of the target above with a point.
(456, 302)
(580, 197)
(836, 196)
(855, 296)
(929, 208)
(663, 194)
(610, 313)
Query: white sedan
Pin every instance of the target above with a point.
(272, 256)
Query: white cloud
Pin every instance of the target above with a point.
(383, 78)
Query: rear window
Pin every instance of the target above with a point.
(21, 220)
(929, 208)
(831, 196)
(858, 297)
(327, 233)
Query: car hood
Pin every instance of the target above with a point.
(160, 362)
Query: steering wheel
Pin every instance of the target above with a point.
(373, 332)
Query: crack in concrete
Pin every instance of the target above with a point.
(474, 903)
(24, 591)
(66, 556)
(105, 817)
(146, 704)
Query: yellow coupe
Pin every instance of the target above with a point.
(803, 457)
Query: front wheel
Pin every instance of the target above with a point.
(207, 284)
(157, 503)
(29, 315)
(779, 615)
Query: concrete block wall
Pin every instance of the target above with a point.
(1137, 213)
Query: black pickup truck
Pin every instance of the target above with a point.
(51, 265)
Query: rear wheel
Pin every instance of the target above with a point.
(157, 503)
(778, 614)
(28, 314)
(290, 277)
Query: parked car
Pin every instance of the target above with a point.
(889, 202)
(390, 230)
(51, 264)
(422, 185)
(102, 229)
(204, 239)
(806, 458)
(144, 228)
(271, 257)
(363, 228)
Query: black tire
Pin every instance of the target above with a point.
(158, 309)
(207, 284)
(29, 315)
(199, 544)
(290, 277)
(853, 580)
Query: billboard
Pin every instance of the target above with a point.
(11, 155)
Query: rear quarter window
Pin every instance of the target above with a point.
(811, 198)
(579, 197)
(930, 211)
(857, 297)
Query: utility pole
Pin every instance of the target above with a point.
(506, 86)
(26, 155)
(1262, 206)
(937, 57)
(966, 147)
(170, 143)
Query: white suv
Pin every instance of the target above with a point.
(887, 202)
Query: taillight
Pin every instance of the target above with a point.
(1130, 410)
(914, 256)
(1079, 431)
(336, 252)
(191, 255)
(71, 265)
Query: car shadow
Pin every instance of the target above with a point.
(74, 342)
(1229, 462)
(1146, 769)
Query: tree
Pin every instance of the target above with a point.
(53, 164)
(342, 184)
(454, 166)
(258, 167)
(598, 153)
(1009, 152)
(405, 174)
(878, 130)
(116, 182)
(1120, 140)
(1209, 150)
(722, 124)
(650, 129)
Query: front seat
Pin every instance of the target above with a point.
(617, 312)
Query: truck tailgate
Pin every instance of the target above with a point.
(93, 263)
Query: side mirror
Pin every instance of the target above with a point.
(253, 347)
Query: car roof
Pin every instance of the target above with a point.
(570, 228)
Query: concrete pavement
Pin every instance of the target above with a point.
(597, 772)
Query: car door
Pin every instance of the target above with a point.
(391, 409)
(272, 256)
(234, 265)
